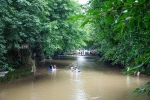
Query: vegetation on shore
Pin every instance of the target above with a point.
(16, 74)
(120, 30)
(36, 28)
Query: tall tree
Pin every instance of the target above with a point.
(62, 35)
(21, 24)
(31, 26)
(121, 28)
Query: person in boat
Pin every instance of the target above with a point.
(54, 67)
(51, 67)
(76, 69)
(72, 68)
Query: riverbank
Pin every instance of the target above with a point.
(16, 74)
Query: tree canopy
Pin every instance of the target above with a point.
(62, 34)
(32, 27)
(120, 29)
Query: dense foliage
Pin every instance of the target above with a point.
(20, 24)
(121, 31)
(30, 28)
(61, 34)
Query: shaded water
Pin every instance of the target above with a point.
(96, 81)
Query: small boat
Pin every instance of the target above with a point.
(75, 69)
(79, 70)
(51, 69)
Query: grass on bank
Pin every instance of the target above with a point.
(16, 74)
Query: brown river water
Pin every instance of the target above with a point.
(96, 81)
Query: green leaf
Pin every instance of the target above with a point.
(132, 25)
(136, 67)
(85, 22)
(129, 2)
(77, 16)
(141, 1)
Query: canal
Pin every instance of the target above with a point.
(96, 81)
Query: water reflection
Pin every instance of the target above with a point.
(79, 93)
(133, 80)
(53, 72)
(81, 58)
(33, 94)
(138, 81)
(128, 80)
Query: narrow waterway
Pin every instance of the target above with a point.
(96, 81)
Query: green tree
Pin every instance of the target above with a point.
(62, 34)
(121, 28)
(21, 24)
(41, 25)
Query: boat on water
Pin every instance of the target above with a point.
(52, 69)
(75, 69)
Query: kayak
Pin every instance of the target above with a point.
(51, 69)
(79, 70)
(76, 71)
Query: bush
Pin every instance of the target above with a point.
(16, 74)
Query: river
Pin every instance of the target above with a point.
(96, 81)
